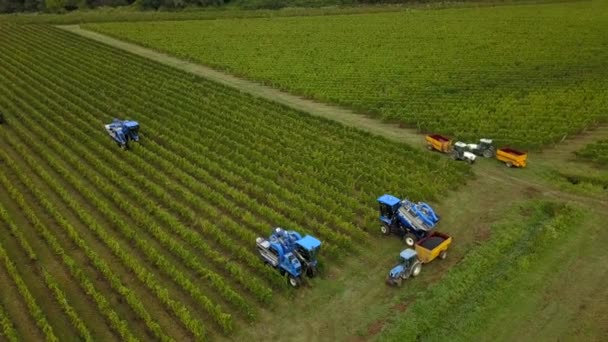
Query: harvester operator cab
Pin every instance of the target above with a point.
(132, 128)
(388, 206)
(307, 249)
(485, 144)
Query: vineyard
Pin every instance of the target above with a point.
(524, 75)
(595, 152)
(158, 242)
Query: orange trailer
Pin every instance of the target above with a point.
(438, 142)
(512, 157)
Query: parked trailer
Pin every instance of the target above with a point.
(433, 246)
(512, 157)
(438, 142)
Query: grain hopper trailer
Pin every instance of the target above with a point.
(412, 221)
(512, 157)
(438, 142)
(292, 255)
(123, 131)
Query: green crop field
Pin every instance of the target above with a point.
(524, 75)
(158, 242)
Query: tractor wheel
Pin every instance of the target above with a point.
(311, 272)
(410, 239)
(416, 269)
(385, 230)
(443, 255)
(488, 153)
(293, 281)
(509, 164)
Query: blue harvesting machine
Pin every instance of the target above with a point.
(123, 131)
(291, 254)
(412, 221)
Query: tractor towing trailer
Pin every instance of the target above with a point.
(410, 260)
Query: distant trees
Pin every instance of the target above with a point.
(12, 6)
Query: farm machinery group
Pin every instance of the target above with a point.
(469, 152)
(294, 255)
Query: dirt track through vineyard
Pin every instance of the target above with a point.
(344, 116)
(559, 153)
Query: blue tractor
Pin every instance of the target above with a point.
(409, 266)
(123, 131)
(290, 253)
(412, 221)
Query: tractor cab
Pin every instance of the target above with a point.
(460, 151)
(307, 249)
(483, 148)
(409, 265)
(485, 144)
(388, 206)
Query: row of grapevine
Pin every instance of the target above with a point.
(165, 197)
(8, 329)
(168, 228)
(49, 280)
(116, 323)
(175, 245)
(229, 189)
(507, 79)
(146, 277)
(25, 293)
(100, 264)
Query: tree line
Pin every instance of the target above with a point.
(54, 6)
(13, 6)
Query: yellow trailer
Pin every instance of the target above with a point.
(433, 246)
(438, 142)
(512, 157)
